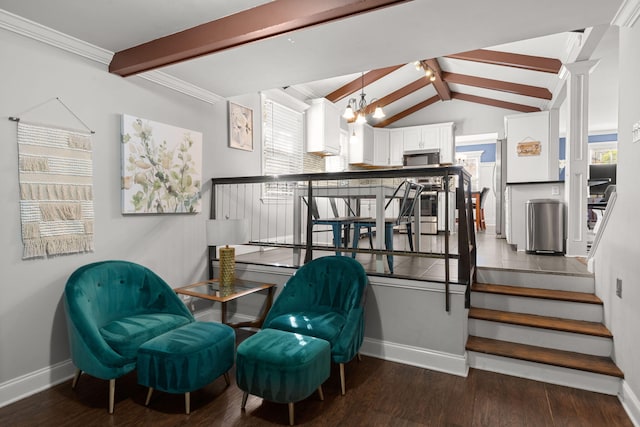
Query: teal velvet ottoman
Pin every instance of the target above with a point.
(282, 367)
(186, 358)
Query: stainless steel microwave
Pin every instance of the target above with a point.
(421, 158)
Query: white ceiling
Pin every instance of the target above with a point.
(418, 29)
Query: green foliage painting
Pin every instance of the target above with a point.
(161, 167)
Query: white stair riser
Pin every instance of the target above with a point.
(579, 343)
(540, 280)
(546, 373)
(541, 307)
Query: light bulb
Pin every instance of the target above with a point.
(432, 78)
(428, 72)
(378, 113)
(348, 113)
(361, 119)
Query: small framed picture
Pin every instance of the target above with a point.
(240, 127)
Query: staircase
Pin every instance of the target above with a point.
(542, 326)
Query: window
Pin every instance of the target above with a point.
(603, 153)
(283, 135)
(471, 162)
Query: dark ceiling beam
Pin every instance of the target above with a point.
(519, 89)
(494, 102)
(440, 85)
(398, 94)
(407, 112)
(516, 60)
(261, 22)
(356, 85)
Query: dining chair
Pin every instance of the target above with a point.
(478, 208)
(340, 225)
(409, 194)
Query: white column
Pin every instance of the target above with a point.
(577, 156)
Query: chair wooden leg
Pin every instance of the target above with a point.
(226, 378)
(291, 419)
(187, 403)
(245, 395)
(342, 379)
(320, 393)
(359, 356)
(149, 393)
(112, 394)
(76, 377)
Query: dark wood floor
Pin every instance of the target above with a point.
(379, 393)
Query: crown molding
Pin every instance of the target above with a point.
(182, 86)
(38, 32)
(628, 14)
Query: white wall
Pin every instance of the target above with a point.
(617, 256)
(32, 321)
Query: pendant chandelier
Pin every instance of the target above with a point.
(358, 110)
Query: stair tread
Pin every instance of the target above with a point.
(549, 356)
(552, 294)
(537, 321)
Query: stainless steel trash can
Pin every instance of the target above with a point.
(545, 226)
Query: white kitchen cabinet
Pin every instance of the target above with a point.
(384, 149)
(446, 141)
(361, 140)
(413, 138)
(323, 127)
(378, 154)
(431, 137)
(396, 147)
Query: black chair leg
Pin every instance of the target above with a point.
(410, 236)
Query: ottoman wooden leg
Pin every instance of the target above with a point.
(245, 395)
(291, 420)
(149, 392)
(342, 378)
(226, 378)
(320, 393)
(187, 402)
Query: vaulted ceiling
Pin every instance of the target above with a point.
(496, 53)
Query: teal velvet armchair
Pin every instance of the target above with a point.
(112, 308)
(325, 299)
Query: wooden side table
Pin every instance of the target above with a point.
(213, 291)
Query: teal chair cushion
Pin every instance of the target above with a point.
(187, 358)
(320, 325)
(127, 334)
(281, 366)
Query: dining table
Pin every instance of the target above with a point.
(379, 192)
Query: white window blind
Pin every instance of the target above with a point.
(283, 133)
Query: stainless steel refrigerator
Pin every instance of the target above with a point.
(500, 187)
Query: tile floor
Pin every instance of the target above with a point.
(492, 253)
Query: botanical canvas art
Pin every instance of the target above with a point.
(161, 167)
